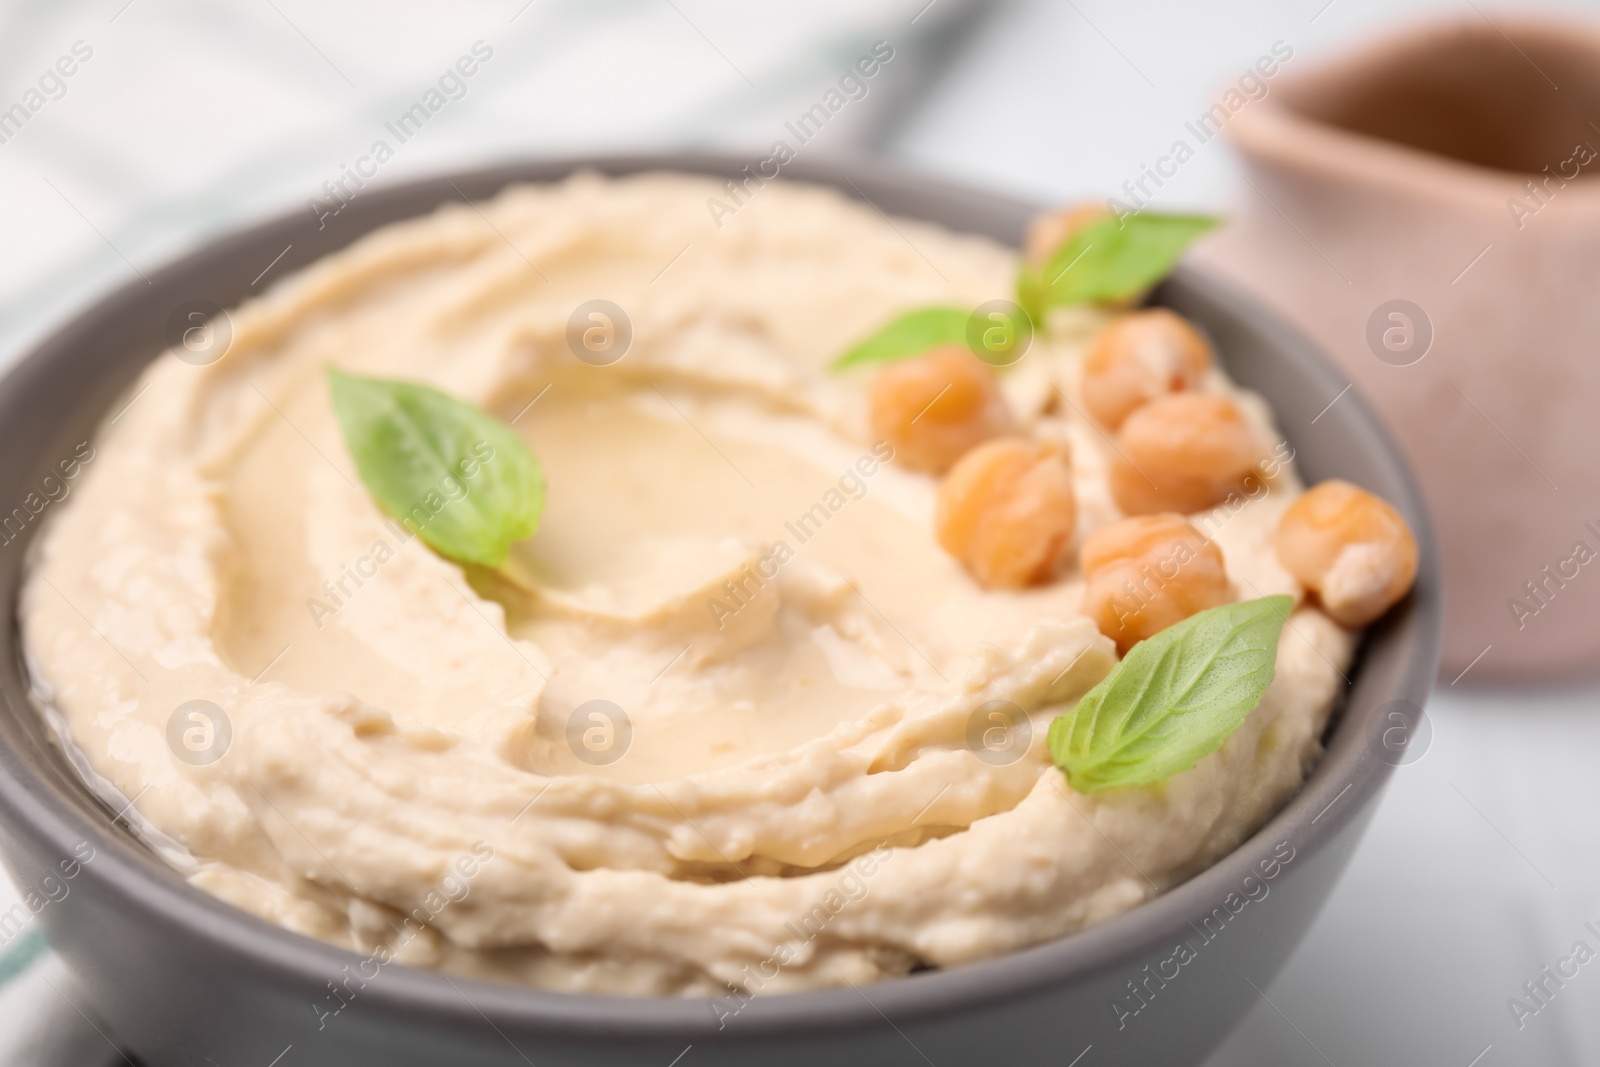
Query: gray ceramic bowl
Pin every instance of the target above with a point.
(180, 977)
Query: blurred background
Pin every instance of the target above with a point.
(184, 119)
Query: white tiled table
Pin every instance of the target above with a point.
(194, 116)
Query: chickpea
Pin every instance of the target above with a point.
(1007, 510)
(1138, 358)
(1349, 547)
(1047, 232)
(934, 408)
(1182, 452)
(1142, 575)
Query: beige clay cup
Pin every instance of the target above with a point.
(1428, 209)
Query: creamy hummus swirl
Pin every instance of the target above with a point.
(793, 799)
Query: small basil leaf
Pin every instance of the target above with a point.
(1111, 259)
(456, 476)
(909, 335)
(1174, 699)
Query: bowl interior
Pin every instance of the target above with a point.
(1470, 93)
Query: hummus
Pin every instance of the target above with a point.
(736, 735)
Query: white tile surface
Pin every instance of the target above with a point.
(1480, 868)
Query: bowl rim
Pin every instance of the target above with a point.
(159, 894)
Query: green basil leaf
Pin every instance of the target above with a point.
(1110, 259)
(909, 335)
(1174, 699)
(455, 476)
